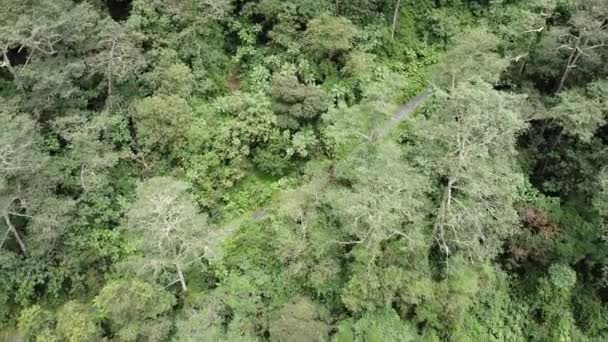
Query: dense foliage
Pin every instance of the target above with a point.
(245, 170)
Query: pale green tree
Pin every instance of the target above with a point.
(586, 37)
(167, 229)
(600, 203)
(27, 181)
(89, 160)
(384, 200)
(18, 158)
(468, 146)
(116, 55)
(580, 111)
(474, 56)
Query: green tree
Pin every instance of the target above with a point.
(135, 309)
(327, 36)
(295, 102)
(162, 122)
(36, 324)
(299, 320)
(174, 79)
(384, 325)
(274, 159)
(552, 300)
(191, 28)
(76, 322)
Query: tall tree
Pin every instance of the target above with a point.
(587, 34)
(580, 112)
(162, 123)
(475, 56)
(116, 55)
(383, 200)
(468, 147)
(327, 36)
(395, 17)
(27, 188)
(167, 229)
(135, 310)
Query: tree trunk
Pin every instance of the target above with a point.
(6, 62)
(577, 52)
(444, 209)
(109, 104)
(568, 67)
(395, 15)
(15, 233)
(8, 231)
(181, 278)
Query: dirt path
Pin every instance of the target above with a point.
(404, 111)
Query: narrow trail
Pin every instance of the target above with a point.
(402, 113)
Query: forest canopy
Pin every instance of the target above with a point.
(304, 170)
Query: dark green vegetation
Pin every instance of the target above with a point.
(212, 170)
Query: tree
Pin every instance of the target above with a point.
(37, 324)
(580, 112)
(327, 36)
(18, 158)
(162, 122)
(552, 301)
(473, 57)
(383, 325)
(76, 322)
(296, 103)
(395, 17)
(383, 200)
(359, 11)
(174, 79)
(202, 321)
(587, 34)
(273, 158)
(27, 189)
(135, 309)
(192, 28)
(468, 147)
(559, 44)
(49, 45)
(249, 122)
(116, 56)
(167, 229)
(600, 203)
(91, 153)
(300, 320)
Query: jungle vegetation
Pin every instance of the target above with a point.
(231, 170)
